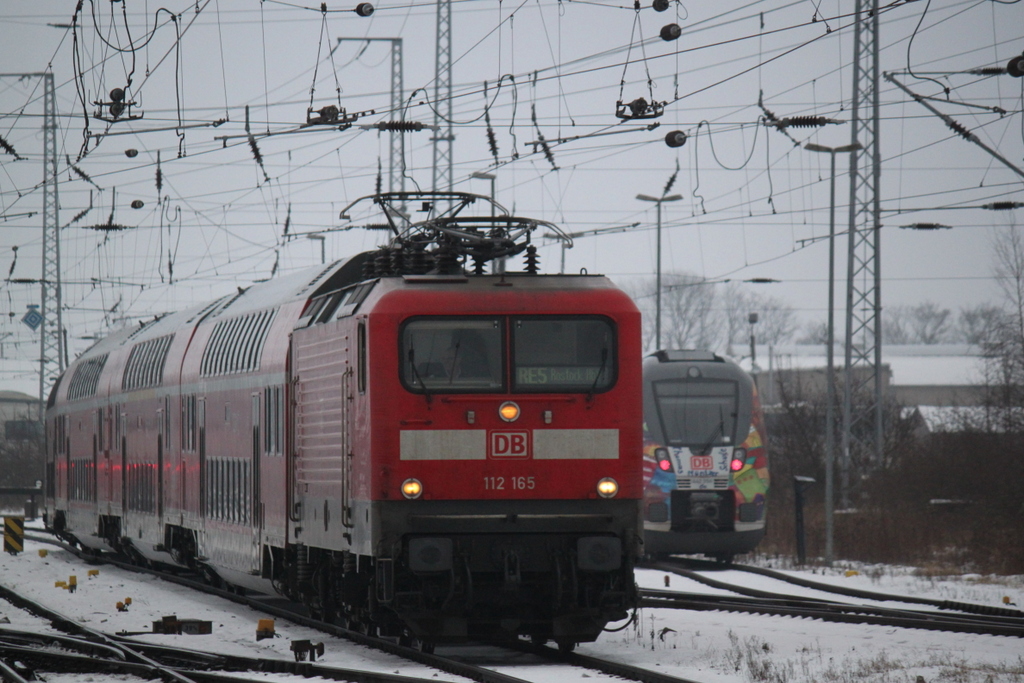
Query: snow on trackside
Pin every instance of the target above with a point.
(710, 647)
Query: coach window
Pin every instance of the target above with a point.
(452, 355)
(563, 354)
(697, 414)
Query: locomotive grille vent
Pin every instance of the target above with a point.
(237, 344)
(145, 367)
(86, 378)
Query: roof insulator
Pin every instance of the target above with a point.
(675, 138)
(399, 125)
(1003, 206)
(1015, 67)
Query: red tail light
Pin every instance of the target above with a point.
(739, 459)
(664, 464)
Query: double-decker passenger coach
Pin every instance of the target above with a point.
(405, 443)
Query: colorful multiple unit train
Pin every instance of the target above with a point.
(405, 444)
(705, 464)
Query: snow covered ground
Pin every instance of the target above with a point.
(710, 647)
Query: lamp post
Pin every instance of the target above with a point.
(480, 175)
(499, 264)
(322, 239)
(752, 319)
(657, 286)
(831, 379)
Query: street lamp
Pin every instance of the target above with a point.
(657, 286)
(322, 239)
(499, 264)
(831, 379)
(752, 319)
(480, 175)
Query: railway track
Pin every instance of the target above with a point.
(969, 618)
(203, 666)
(690, 565)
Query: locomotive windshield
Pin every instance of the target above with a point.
(568, 354)
(453, 354)
(549, 354)
(698, 414)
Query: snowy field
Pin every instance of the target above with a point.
(709, 647)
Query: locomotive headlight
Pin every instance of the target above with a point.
(607, 487)
(412, 488)
(739, 459)
(508, 411)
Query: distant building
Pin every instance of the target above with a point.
(936, 379)
(20, 416)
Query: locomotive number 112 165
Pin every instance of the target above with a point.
(513, 483)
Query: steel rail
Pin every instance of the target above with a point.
(831, 611)
(838, 590)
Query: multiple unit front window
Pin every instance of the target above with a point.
(521, 354)
(697, 413)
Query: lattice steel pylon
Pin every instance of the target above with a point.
(51, 332)
(443, 135)
(862, 389)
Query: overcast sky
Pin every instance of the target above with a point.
(754, 204)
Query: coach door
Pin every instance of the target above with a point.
(347, 399)
(256, 509)
(204, 495)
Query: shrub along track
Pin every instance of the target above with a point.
(969, 619)
(200, 665)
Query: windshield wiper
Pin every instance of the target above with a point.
(416, 374)
(600, 371)
(455, 363)
(718, 431)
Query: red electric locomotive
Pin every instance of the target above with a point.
(405, 444)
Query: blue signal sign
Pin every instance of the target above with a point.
(33, 318)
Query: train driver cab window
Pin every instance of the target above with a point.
(563, 354)
(698, 414)
(452, 354)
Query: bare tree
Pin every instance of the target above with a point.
(688, 316)
(1005, 350)
(978, 324)
(688, 310)
(776, 320)
(895, 325)
(925, 323)
(814, 332)
(1009, 272)
(929, 324)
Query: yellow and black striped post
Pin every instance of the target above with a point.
(14, 534)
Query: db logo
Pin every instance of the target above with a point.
(701, 462)
(510, 445)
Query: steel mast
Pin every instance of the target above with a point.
(862, 388)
